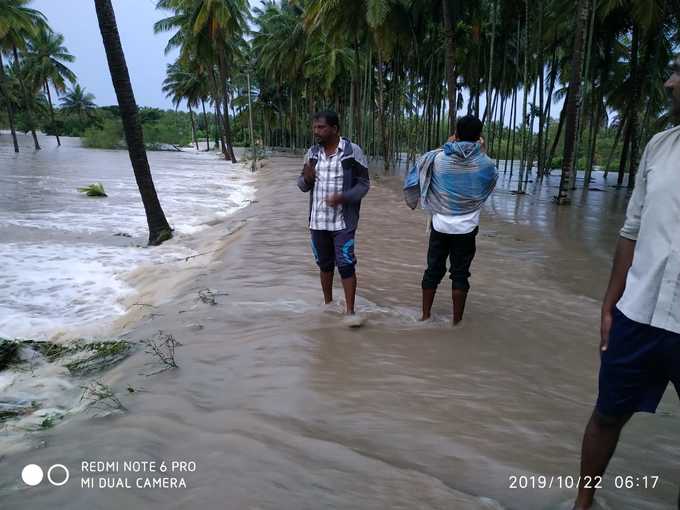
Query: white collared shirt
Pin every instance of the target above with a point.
(652, 293)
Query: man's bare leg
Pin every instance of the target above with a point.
(458, 296)
(327, 286)
(350, 287)
(428, 300)
(599, 442)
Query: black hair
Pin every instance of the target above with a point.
(469, 128)
(330, 117)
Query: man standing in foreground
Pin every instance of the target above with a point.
(452, 184)
(640, 329)
(336, 172)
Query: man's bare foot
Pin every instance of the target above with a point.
(424, 318)
(353, 320)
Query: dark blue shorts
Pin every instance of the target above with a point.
(334, 249)
(637, 366)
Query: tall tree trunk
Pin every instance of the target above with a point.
(217, 100)
(525, 89)
(452, 91)
(541, 97)
(49, 100)
(159, 230)
(27, 104)
(593, 141)
(560, 128)
(513, 114)
(625, 150)
(546, 116)
(616, 143)
(384, 135)
(639, 75)
(573, 103)
(225, 118)
(10, 107)
(207, 126)
(356, 93)
(494, 7)
(584, 93)
(193, 126)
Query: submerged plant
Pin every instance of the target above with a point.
(163, 348)
(94, 190)
(102, 398)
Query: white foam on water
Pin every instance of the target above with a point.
(59, 268)
(48, 288)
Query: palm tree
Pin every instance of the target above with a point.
(77, 100)
(573, 101)
(17, 24)
(9, 102)
(182, 85)
(159, 230)
(210, 31)
(46, 58)
(14, 17)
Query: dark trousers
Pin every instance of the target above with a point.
(459, 249)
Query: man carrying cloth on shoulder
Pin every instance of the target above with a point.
(452, 184)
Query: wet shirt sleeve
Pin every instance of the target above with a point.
(631, 226)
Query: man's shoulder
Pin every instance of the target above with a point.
(670, 135)
(356, 152)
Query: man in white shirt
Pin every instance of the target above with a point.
(640, 328)
(453, 235)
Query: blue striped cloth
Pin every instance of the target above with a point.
(453, 180)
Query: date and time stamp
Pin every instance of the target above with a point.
(530, 482)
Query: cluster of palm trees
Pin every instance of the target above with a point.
(399, 71)
(37, 63)
(550, 78)
(211, 37)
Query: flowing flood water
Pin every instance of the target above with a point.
(279, 405)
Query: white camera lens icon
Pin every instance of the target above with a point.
(32, 474)
(57, 475)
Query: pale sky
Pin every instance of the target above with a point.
(76, 20)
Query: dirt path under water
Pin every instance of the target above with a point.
(283, 408)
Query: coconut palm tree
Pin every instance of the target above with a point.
(78, 101)
(573, 101)
(159, 229)
(46, 62)
(210, 31)
(181, 84)
(17, 23)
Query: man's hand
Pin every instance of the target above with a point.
(309, 172)
(335, 200)
(605, 327)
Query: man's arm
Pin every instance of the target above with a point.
(625, 248)
(623, 259)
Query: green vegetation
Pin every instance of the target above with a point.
(80, 358)
(558, 83)
(94, 190)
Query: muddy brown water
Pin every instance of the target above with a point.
(280, 407)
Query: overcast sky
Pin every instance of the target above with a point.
(144, 50)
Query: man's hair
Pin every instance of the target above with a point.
(330, 117)
(469, 128)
